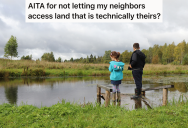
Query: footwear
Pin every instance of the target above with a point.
(114, 98)
(118, 98)
(137, 94)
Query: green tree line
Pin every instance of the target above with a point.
(158, 54)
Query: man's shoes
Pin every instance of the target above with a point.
(137, 94)
(136, 97)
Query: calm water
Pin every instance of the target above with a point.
(49, 91)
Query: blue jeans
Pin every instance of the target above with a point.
(137, 75)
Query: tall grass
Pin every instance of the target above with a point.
(16, 68)
(65, 114)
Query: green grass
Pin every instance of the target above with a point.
(65, 114)
(18, 68)
(75, 72)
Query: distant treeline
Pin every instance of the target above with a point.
(175, 54)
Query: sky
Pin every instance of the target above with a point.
(77, 40)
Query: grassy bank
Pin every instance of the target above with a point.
(89, 115)
(17, 68)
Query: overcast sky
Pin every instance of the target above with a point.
(77, 40)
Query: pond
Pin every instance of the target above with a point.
(49, 91)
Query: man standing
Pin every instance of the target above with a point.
(137, 63)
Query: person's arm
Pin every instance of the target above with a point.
(134, 60)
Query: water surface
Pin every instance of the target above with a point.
(49, 91)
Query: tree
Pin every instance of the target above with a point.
(125, 56)
(48, 57)
(91, 58)
(87, 59)
(170, 52)
(179, 51)
(150, 54)
(99, 59)
(71, 60)
(26, 57)
(185, 59)
(106, 56)
(58, 60)
(11, 47)
(165, 54)
(146, 54)
(94, 59)
(155, 59)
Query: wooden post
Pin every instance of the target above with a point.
(107, 98)
(99, 95)
(118, 98)
(143, 93)
(165, 96)
(114, 98)
(138, 103)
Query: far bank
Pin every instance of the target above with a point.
(18, 68)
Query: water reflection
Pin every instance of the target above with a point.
(49, 91)
(181, 87)
(11, 94)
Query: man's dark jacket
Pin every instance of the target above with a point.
(137, 60)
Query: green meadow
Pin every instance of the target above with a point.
(89, 115)
(18, 68)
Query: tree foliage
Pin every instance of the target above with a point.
(106, 56)
(185, 60)
(11, 47)
(167, 53)
(59, 60)
(48, 57)
(28, 57)
(155, 59)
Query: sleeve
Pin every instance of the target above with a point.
(134, 60)
(110, 68)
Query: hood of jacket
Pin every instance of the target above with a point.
(117, 65)
(141, 55)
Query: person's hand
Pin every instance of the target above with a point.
(130, 66)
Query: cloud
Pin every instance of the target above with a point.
(81, 39)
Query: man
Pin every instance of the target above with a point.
(137, 63)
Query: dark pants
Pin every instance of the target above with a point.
(137, 75)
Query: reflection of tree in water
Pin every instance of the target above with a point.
(11, 94)
(30, 81)
(181, 86)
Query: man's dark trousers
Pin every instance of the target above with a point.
(137, 75)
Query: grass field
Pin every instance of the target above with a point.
(17, 68)
(64, 114)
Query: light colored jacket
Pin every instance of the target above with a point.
(116, 69)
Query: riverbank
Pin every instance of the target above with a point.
(88, 115)
(18, 68)
(77, 72)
